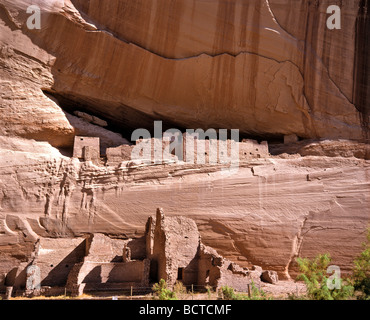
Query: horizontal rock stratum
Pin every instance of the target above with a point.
(268, 213)
(270, 68)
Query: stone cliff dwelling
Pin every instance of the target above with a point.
(73, 202)
(87, 149)
(171, 249)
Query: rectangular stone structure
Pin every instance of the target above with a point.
(86, 148)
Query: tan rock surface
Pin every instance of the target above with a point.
(331, 148)
(25, 69)
(223, 64)
(251, 65)
(268, 213)
(107, 137)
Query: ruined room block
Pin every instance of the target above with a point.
(153, 150)
(86, 148)
(189, 147)
(56, 256)
(87, 152)
(99, 276)
(251, 149)
(194, 263)
(171, 234)
(216, 271)
(203, 151)
(226, 154)
(100, 247)
(115, 156)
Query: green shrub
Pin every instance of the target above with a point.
(313, 273)
(228, 293)
(180, 290)
(209, 292)
(361, 271)
(256, 294)
(163, 293)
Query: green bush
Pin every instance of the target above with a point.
(228, 293)
(209, 292)
(313, 273)
(361, 271)
(162, 292)
(256, 294)
(180, 290)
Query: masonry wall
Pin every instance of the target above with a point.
(96, 276)
(194, 150)
(175, 251)
(115, 156)
(159, 258)
(56, 258)
(238, 281)
(218, 151)
(112, 272)
(15, 277)
(209, 267)
(100, 248)
(251, 149)
(86, 147)
(216, 271)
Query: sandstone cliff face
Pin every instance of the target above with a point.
(221, 64)
(253, 65)
(267, 214)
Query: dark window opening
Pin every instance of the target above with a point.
(153, 273)
(179, 273)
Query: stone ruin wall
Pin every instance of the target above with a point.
(209, 153)
(176, 245)
(179, 255)
(86, 148)
(171, 250)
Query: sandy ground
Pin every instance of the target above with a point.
(283, 289)
(279, 291)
